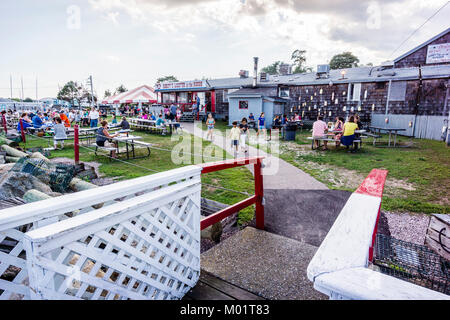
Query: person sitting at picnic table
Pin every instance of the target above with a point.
(339, 127)
(153, 117)
(65, 120)
(349, 134)
(297, 117)
(145, 116)
(320, 130)
(103, 136)
(60, 133)
(114, 119)
(124, 124)
(25, 123)
(37, 121)
(160, 123)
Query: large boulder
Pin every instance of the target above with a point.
(16, 184)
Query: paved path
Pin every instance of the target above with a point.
(278, 174)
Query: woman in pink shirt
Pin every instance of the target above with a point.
(320, 130)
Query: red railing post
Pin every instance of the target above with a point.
(259, 193)
(5, 127)
(75, 145)
(22, 132)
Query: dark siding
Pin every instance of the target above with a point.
(419, 57)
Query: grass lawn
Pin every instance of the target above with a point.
(419, 175)
(239, 179)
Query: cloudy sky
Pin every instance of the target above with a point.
(136, 41)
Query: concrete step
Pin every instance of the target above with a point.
(268, 265)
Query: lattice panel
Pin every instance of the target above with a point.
(153, 255)
(14, 283)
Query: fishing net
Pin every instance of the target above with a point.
(413, 263)
(58, 175)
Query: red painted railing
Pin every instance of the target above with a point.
(256, 199)
(5, 127)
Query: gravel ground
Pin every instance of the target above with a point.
(410, 227)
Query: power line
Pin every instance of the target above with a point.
(419, 27)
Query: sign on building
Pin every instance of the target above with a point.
(438, 53)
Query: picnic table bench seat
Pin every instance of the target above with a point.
(358, 140)
(374, 136)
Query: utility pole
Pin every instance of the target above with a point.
(92, 90)
(21, 80)
(36, 88)
(10, 84)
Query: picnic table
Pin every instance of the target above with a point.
(391, 131)
(130, 140)
(333, 132)
(147, 123)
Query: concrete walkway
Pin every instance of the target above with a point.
(278, 174)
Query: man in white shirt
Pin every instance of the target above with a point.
(93, 116)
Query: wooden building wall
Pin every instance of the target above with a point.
(420, 56)
(311, 99)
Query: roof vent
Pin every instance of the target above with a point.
(285, 69)
(243, 73)
(263, 77)
(323, 71)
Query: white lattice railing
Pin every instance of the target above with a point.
(142, 241)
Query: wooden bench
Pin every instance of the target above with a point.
(108, 149)
(141, 144)
(374, 136)
(331, 140)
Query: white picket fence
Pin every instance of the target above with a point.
(137, 239)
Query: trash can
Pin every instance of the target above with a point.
(289, 131)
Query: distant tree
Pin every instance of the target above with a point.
(121, 89)
(299, 59)
(273, 68)
(344, 60)
(15, 99)
(28, 100)
(70, 92)
(107, 94)
(167, 78)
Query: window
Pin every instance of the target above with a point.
(397, 91)
(284, 92)
(381, 85)
(354, 91)
(243, 104)
(182, 97)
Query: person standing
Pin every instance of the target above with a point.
(93, 117)
(173, 112)
(262, 125)
(60, 133)
(234, 135)
(210, 122)
(244, 130)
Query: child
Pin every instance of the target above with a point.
(235, 132)
(210, 122)
(261, 125)
(244, 129)
(60, 133)
(114, 119)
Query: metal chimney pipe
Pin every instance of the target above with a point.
(255, 71)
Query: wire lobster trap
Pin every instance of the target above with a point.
(59, 175)
(413, 263)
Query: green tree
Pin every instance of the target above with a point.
(107, 94)
(121, 89)
(28, 100)
(273, 68)
(167, 78)
(70, 92)
(299, 59)
(344, 60)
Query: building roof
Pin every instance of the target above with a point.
(258, 92)
(144, 94)
(422, 45)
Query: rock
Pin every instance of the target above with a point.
(16, 184)
(5, 168)
(34, 195)
(213, 232)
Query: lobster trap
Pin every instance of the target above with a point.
(58, 175)
(413, 263)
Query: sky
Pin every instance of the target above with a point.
(134, 42)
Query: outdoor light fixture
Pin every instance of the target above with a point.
(330, 83)
(344, 108)
(359, 108)
(373, 107)
(343, 72)
(410, 124)
(386, 120)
